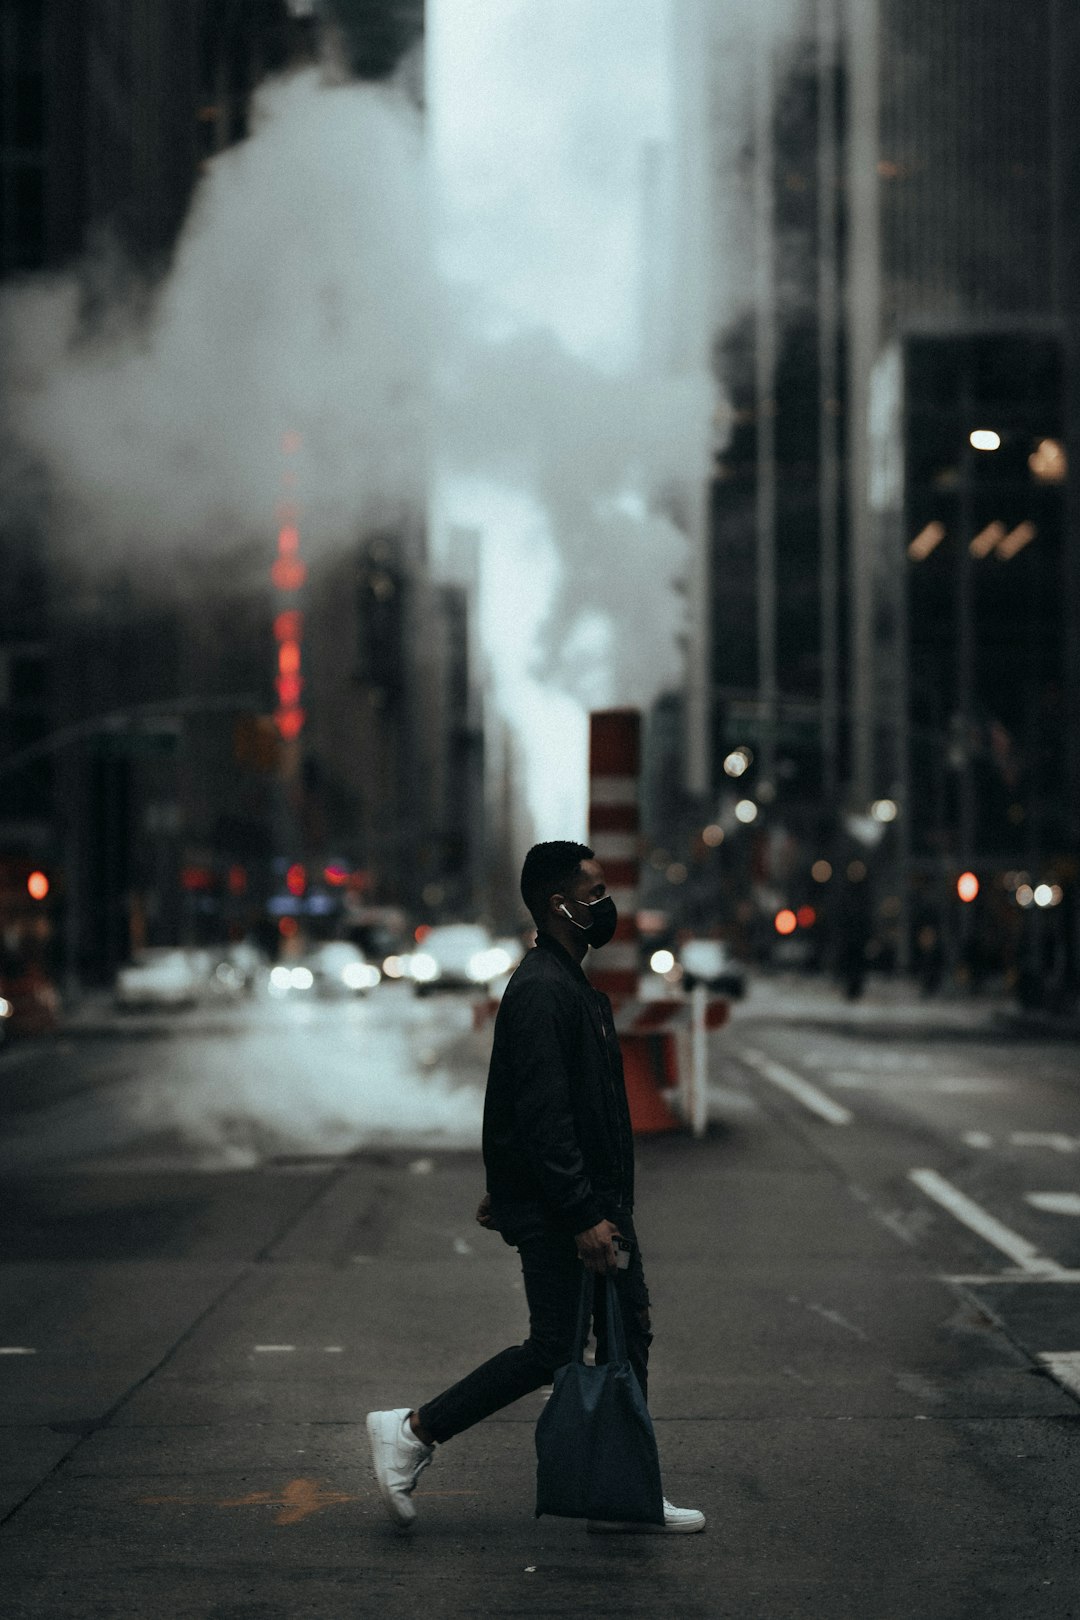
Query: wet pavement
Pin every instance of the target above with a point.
(870, 1396)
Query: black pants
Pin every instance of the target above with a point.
(552, 1274)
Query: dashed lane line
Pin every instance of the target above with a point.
(987, 1226)
(1054, 1203)
(795, 1086)
(1064, 1365)
(986, 1279)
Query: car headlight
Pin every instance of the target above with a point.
(360, 976)
(489, 964)
(424, 968)
(280, 978)
(301, 978)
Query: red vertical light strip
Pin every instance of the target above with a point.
(288, 575)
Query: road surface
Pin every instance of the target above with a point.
(225, 1237)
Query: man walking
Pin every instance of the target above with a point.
(559, 1157)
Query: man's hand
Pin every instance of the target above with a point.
(595, 1248)
(483, 1211)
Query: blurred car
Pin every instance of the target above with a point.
(398, 965)
(161, 977)
(709, 962)
(458, 956)
(236, 970)
(29, 1003)
(290, 979)
(340, 968)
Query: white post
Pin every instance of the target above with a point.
(698, 1109)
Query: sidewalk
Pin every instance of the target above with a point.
(186, 1441)
(896, 1005)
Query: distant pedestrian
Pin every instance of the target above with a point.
(559, 1157)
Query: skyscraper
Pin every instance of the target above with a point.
(896, 607)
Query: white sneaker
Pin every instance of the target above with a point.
(677, 1522)
(399, 1459)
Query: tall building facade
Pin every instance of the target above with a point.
(138, 757)
(964, 378)
(896, 613)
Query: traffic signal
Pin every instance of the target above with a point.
(967, 887)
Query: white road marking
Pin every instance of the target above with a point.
(1054, 1203)
(981, 1279)
(334, 1349)
(461, 1247)
(1051, 1139)
(949, 1085)
(1064, 1365)
(17, 1350)
(988, 1227)
(835, 1318)
(796, 1087)
(273, 1349)
(977, 1139)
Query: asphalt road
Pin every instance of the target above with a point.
(865, 1365)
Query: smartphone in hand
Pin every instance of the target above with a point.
(623, 1248)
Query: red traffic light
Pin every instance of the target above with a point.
(967, 887)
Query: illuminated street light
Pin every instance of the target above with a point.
(967, 887)
(984, 439)
(661, 961)
(926, 541)
(1048, 462)
(1044, 895)
(738, 762)
(746, 811)
(884, 810)
(1016, 540)
(986, 539)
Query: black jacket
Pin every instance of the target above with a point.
(558, 1147)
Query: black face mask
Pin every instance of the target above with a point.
(602, 920)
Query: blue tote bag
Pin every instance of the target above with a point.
(595, 1448)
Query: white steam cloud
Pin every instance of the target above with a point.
(300, 300)
(479, 337)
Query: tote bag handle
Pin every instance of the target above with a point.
(586, 1304)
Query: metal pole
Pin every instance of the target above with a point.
(863, 278)
(698, 1108)
(965, 640)
(765, 343)
(828, 398)
(965, 656)
(692, 52)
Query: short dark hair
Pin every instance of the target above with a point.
(547, 869)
